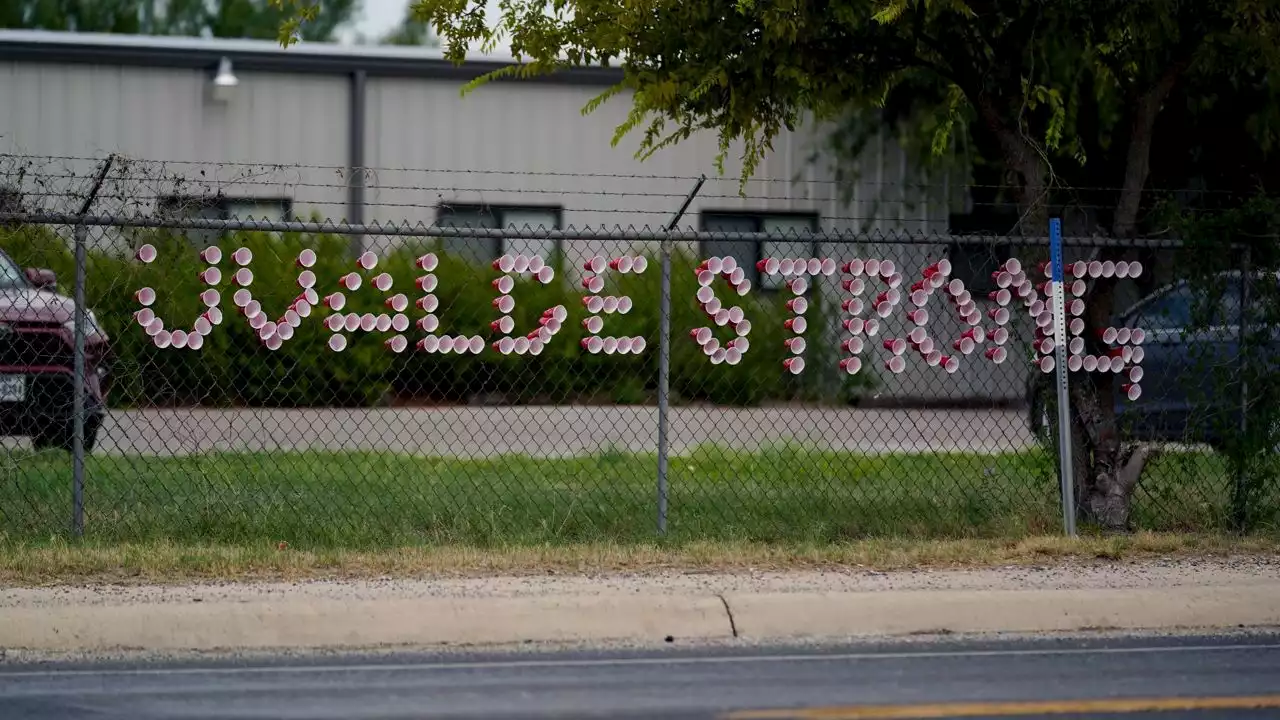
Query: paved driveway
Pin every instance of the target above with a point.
(551, 431)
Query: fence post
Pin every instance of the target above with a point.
(77, 380)
(1240, 493)
(664, 354)
(1060, 363)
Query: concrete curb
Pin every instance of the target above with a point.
(299, 622)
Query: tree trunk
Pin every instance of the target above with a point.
(1111, 469)
(1106, 471)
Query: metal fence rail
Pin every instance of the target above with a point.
(210, 377)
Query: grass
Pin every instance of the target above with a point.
(163, 561)
(370, 501)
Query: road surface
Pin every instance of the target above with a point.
(1080, 678)
(550, 431)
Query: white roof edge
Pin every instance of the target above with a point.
(171, 42)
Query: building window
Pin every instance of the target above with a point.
(747, 252)
(221, 207)
(482, 251)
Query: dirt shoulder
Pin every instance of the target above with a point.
(165, 563)
(657, 606)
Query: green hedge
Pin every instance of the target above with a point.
(234, 369)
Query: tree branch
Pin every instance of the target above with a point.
(1138, 157)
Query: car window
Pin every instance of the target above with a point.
(10, 274)
(1170, 311)
(1180, 308)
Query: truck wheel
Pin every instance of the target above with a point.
(60, 435)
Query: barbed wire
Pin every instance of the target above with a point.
(366, 172)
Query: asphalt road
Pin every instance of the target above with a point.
(938, 678)
(549, 431)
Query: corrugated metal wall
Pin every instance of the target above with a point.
(508, 143)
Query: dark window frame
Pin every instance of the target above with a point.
(222, 205)
(706, 217)
(499, 211)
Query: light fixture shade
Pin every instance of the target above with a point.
(225, 77)
(224, 82)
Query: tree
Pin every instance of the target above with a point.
(411, 31)
(260, 19)
(1060, 94)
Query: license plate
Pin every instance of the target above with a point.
(13, 388)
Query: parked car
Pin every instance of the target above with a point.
(1182, 397)
(37, 360)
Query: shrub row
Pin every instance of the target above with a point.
(235, 369)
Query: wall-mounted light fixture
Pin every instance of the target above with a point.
(225, 81)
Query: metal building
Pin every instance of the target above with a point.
(378, 134)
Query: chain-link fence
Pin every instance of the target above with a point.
(531, 382)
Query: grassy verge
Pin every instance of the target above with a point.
(25, 563)
(357, 501)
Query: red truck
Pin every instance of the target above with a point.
(37, 353)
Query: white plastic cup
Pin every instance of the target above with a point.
(639, 265)
(1075, 345)
(794, 364)
(144, 317)
(1046, 364)
(429, 344)
(721, 317)
(211, 255)
(428, 262)
(996, 354)
(896, 364)
(475, 344)
(919, 316)
(610, 345)
(593, 303)
(851, 365)
(351, 322)
(795, 344)
(306, 279)
(382, 323)
(1089, 363)
(243, 277)
(609, 304)
(625, 303)
(593, 324)
(350, 281)
(147, 253)
(1075, 363)
(521, 264)
(397, 344)
(712, 306)
(596, 264)
(368, 322)
(999, 335)
(1076, 326)
(214, 315)
(337, 343)
(536, 263)
(211, 276)
(382, 281)
(306, 258)
(242, 256)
